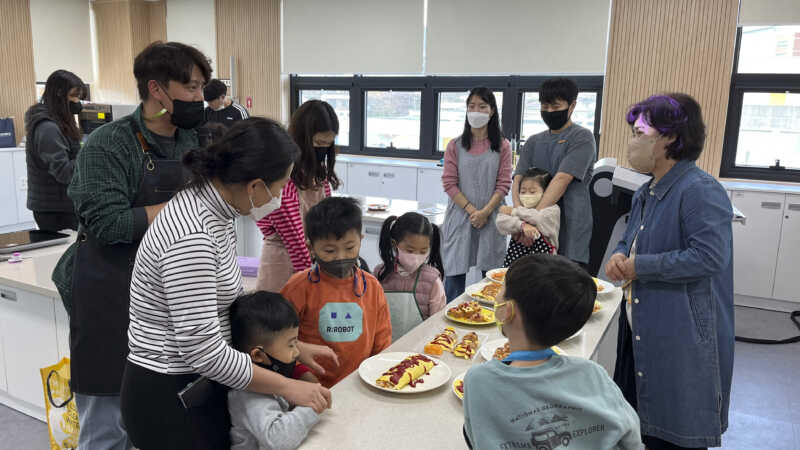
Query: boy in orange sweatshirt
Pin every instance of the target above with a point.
(339, 304)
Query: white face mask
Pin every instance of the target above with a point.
(478, 119)
(530, 200)
(409, 261)
(259, 212)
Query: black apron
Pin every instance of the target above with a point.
(101, 286)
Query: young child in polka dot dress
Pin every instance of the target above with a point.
(526, 224)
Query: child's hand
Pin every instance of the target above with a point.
(301, 393)
(530, 232)
(507, 210)
(310, 352)
(309, 377)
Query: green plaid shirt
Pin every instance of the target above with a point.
(105, 183)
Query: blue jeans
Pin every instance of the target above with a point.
(100, 419)
(455, 285)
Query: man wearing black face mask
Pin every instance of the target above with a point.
(124, 175)
(568, 152)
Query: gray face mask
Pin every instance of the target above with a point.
(339, 268)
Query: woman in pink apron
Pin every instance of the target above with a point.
(313, 127)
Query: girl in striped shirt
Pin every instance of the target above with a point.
(313, 127)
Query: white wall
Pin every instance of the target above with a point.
(61, 38)
(194, 22)
(769, 12)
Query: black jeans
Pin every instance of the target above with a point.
(55, 221)
(156, 419)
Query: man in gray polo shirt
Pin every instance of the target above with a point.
(568, 152)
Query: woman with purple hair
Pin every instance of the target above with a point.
(676, 338)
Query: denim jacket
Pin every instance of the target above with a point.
(682, 306)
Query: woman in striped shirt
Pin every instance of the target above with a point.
(184, 280)
(313, 127)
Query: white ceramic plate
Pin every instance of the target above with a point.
(477, 287)
(607, 287)
(487, 351)
(494, 271)
(372, 368)
(459, 377)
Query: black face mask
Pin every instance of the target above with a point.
(555, 120)
(75, 107)
(322, 153)
(277, 366)
(339, 268)
(188, 115)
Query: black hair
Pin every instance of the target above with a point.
(312, 117)
(214, 90)
(251, 148)
(55, 97)
(258, 316)
(541, 176)
(674, 115)
(495, 132)
(396, 229)
(333, 216)
(168, 61)
(560, 88)
(554, 296)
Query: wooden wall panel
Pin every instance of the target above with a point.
(250, 31)
(148, 23)
(157, 18)
(18, 90)
(657, 46)
(115, 82)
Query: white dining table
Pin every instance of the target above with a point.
(362, 416)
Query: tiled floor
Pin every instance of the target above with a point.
(765, 402)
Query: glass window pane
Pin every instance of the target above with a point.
(532, 122)
(393, 119)
(769, 130)
(770, 50)
(452, 114)
(340, 100)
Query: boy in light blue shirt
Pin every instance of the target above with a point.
(535, 398)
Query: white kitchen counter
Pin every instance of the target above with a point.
(394, 162)
(34, 272)
(759, 186)
(365, 417)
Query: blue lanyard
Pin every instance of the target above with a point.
(357, 272)
(530, 355)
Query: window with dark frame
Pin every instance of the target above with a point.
(416, 116)
(762, 133)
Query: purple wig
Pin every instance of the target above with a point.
(675, 115)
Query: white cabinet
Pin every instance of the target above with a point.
(755, 244)
(341, 172)
(3, 343)
(789, 254)
(21, 185)
(62, 328)
(399, 183)
(429, 186)
(365, 180)
(8, 190)
(382, 181)
(369, 245)
(29, 337)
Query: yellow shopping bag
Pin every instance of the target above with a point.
(62, 415)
